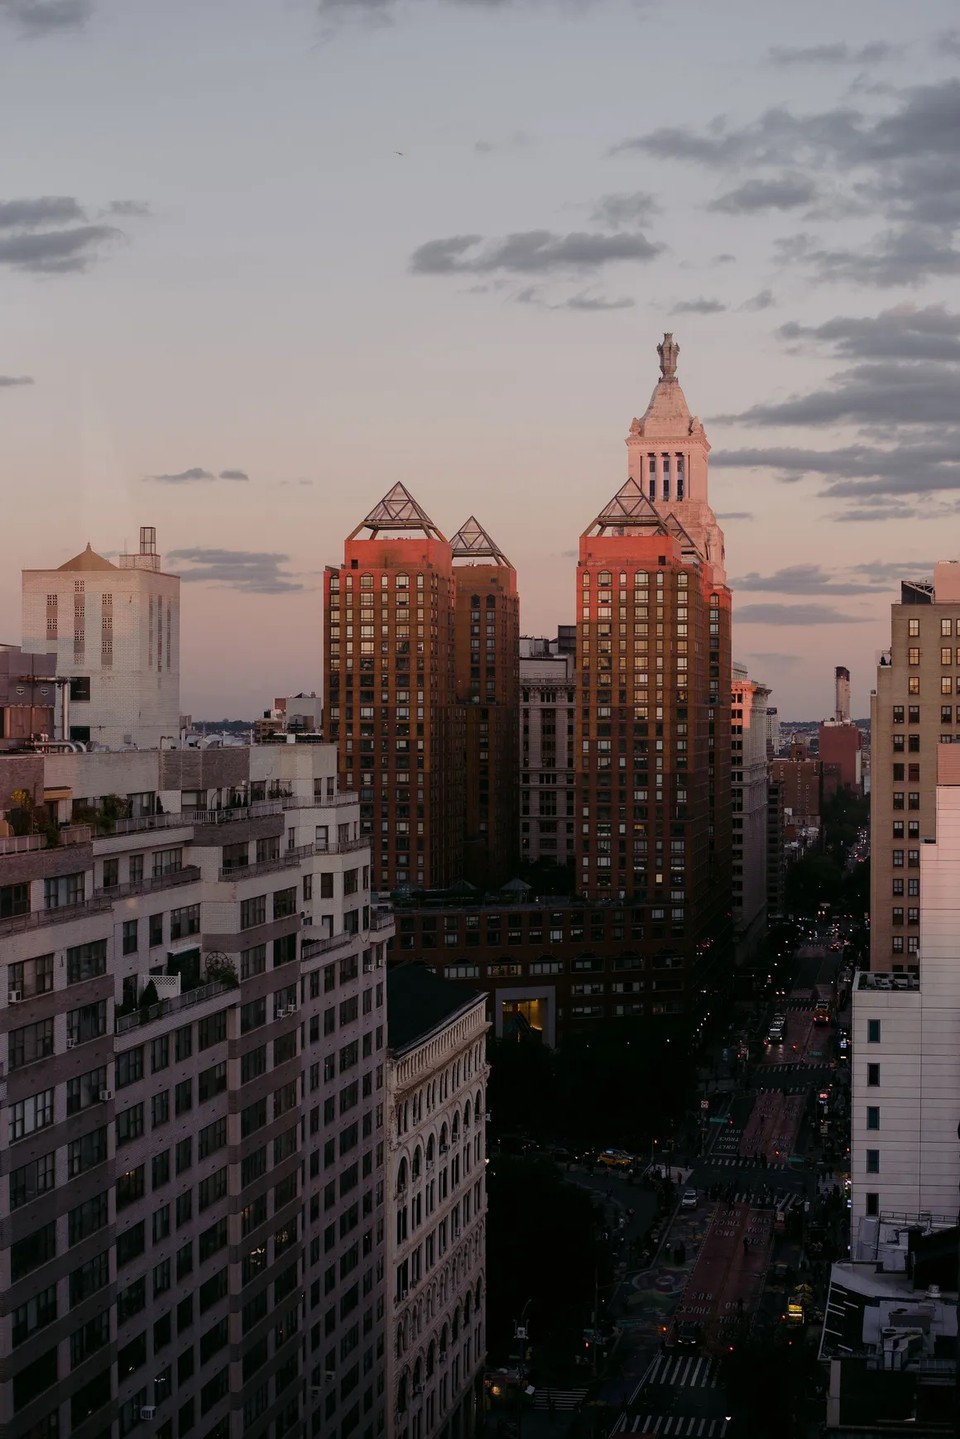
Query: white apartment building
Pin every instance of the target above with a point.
(749, 785)
(192, 1037)
(905, 1158)
(436, 1248)
(115, 629)
(547, 705)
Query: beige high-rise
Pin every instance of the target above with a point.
(915, 705)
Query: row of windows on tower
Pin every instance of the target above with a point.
(641, 579)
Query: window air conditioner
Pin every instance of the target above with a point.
(148, 1411)
(443, 1356)
(418, 1388)
(105, 1094)
(71, 1043)
(403, 1295)
(15, 996)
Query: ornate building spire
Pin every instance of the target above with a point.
(669, 353)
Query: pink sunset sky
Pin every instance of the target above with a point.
(259, 259)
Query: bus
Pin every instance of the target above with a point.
(822, 995)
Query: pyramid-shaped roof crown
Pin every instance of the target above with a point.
(473, 542)
(88, 559)
(630, 510)
(398, 511)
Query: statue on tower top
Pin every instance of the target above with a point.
(668, 352)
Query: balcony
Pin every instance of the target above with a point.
(187, 817)
(382, 919)
(40, 918)
(190, 1000)
(287, 860)
(324, 944)
(341, 846)
(28, 843)
(189, 874)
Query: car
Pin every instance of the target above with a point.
(690, 1199)
(615, 1159)
(687, 1333)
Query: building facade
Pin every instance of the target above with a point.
(488, 689)
(30, 696)
(436, 1096)
(390, 697)
(653, 688)
(905, 1098)
(193, 1034)
(748, 746)
(800, 781)
(914, 706)
(547, 721)
(115, 630)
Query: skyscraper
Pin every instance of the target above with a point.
(654, 685)
(488, 686)
(915, 704)
(115, 630)
(390, 696)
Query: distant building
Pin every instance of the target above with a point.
(487, 635)
(749, 779)
(841, 712)
(800, 780)
(115, 630)
(437, 1076)
(29, 695)
(291, 714)
(547, 722)
(840, 744)
(916, 704)
(773, 732)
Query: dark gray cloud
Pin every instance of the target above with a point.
(927, 465)
(903, 333)
(699, 307)
(773, 192)
(595, 302)
(838, 54)
(884, 392)
(625, 210)
(255, 572)
(774, 614)
(183, 477)
(133, 209)
(8, 382)
(890, 572)
(529, 252)
(735, 515)
(234, 475)
(906, 256)
(56, 252)
(762, 300)
(35, 18)
(39, 212)
(802, 580)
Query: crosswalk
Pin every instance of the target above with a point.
(685, 1371)
(784, 1199)
(559, 1401)
(735, 1161)
(793, 1065)
(675, 1424)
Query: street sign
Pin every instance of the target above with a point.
(718, 1119)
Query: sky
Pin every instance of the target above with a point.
(260, 259)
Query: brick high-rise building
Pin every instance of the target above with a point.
(653, 687)
(548, 709)
(914, 705)
(390, 696)
(488, 686)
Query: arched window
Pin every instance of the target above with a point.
(444, 1141)
(417, 1376)
(479, 1297)
(455, 1130)
(431, 1358)
(467, 1308)
(402, 1395)
(478, 1107)
(491, 602)
(444, 1344)
(430, 1151)
(455, 1324)
(402, 1175)
(417, 1157)
(466, 1116)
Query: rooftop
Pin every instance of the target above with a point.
(87, 560)
(419, 1001)
(874, 979)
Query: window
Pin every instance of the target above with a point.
(873, 1074)
(873, 1116)
(873, 1161)
(36, 1314)
(253, 911)
(156, 930)
(35, 1249)
(130, 937)
(212, 1030)
(160, 1108)
(913, 685)
(184, 921)
(29, 1115)
(212, 1081)
(129, 1067)
(873, 1031)
(285, 902)
(32, 1042)
(129, 1124)
(167, 861)
(873, 1200)
(913, 652)
(85, 1153)
(212, 1138)
(31, 1180)
(87, 1218)
(131, 1186)
(64, 889)
(86, 1023)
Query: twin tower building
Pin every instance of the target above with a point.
(422, 692)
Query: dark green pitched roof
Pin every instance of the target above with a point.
(418, 1002)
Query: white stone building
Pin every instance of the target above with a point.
(436, 1248)
(749, 785)
(546, 751)
(192, 1199)
(115, 629)
(905, 1158)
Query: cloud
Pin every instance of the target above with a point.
(802, 580)
(906, 256)
(8, 382)
(135, 209)
(36, 18)
(185, 477)
(902, 333)
(56, 252)
(773, 614)
(881, 392)
(736, 515)
(699, 307)
(838, 54)
(255, 572)
(528, 252)
(762, 300)
(784, 192)
(891, 572)
(233, 475)
(772, 657)
(924, 466)
(624, 210)
(41, 211)
(595, 302)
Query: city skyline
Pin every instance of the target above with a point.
(230, 273)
